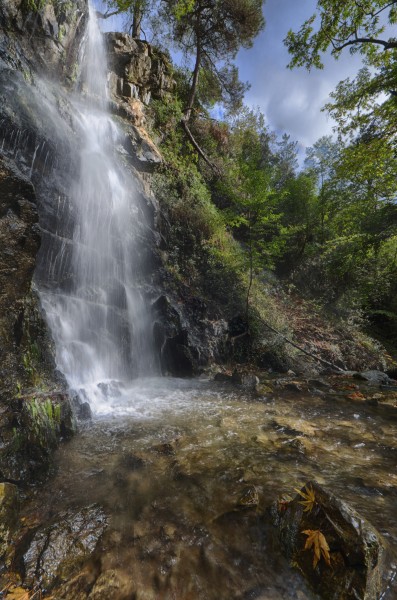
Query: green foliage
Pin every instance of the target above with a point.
(356, 176)
(166, 116)
(330, 228)
(29, 360)
(34, 5)
(359, 26)
(366, 105)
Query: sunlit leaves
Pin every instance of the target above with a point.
(183, 8)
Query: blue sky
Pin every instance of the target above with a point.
(290, 100)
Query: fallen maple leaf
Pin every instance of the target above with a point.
(309, 498)
(317, 540)
(283, 502)
(356, 396)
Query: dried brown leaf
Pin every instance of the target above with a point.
(317, 541)
(309, 498)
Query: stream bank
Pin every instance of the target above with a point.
(167, 493)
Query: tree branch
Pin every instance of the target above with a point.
(197, 147)
(321, 360)
(387, 45)
(107, 14)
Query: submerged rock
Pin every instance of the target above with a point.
(56, 549)
(339, 552)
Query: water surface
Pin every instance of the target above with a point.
(170, 460)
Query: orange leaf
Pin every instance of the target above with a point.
(356, 396)
(317, 541)
(309, 498)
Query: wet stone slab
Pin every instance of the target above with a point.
(56, 548)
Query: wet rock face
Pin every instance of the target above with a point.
(185, 337)
(47, 39)
(9, 501)
(56, 549)
(346, 560)
(19, 243)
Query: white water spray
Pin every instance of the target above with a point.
(100, 325)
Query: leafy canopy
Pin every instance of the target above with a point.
(338, 24)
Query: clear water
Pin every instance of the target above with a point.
(169, 461)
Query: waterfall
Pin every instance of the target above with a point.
(97, 316)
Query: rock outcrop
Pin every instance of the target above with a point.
(31, 429)
(45, 40)
(137, 70)
(345, 556)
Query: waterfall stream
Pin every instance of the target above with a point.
(97, 316)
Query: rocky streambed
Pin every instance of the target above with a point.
(167, 492)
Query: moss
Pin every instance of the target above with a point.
(61, 32)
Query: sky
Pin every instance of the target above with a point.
(290, 100)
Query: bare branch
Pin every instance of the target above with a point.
(386, 44)
(197, 147)
(107, 14)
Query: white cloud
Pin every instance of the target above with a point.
(291, 100)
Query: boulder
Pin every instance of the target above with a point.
(223, 377)
(342, 556)
(56, 548)
(250, 381)
(375, 378)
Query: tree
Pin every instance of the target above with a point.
(135, 11)
(212, 32)
(321, 161)
(359, 26)
(251, 213)
(366, 28)
(298, 207)
(285, 160)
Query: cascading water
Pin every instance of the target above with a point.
(98, 319)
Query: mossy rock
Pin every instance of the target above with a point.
(33, 428)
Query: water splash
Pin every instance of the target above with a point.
(98, 318)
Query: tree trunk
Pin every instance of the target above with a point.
(193, 87)
(137, 19)
(251, 267)
(197, 147)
